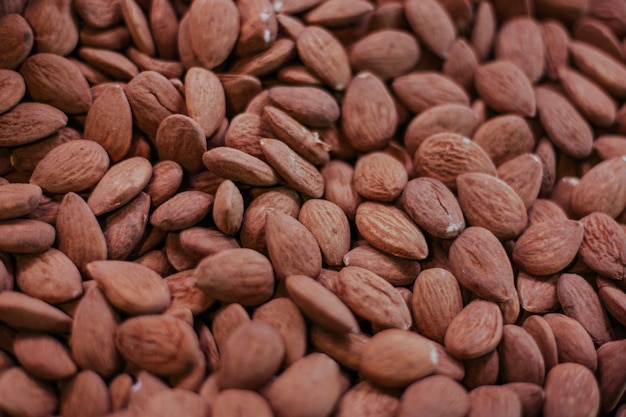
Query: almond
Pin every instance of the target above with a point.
(26, 236)
(311, 106)
(245, 132)
(238, 166)
(339, 186)
(323, 55)
(204, 96)
(235, 401)
(379, 176)
(338, 13)
(573, 342)
(603, 248)
(475, 331)
(520, 41)
(606, 175)
(565, 385)
(21, 311)
(599, 66)
(345, 348)
(181, 139)
(483, 33)
(228, 208)
(542, 333)
(556, 41)
(226, 320)
(610, 375)
(13, 89)
(124, 229)
(17, 40)
(504, 138)
(17, 391)
(397, 271)
(518, 346)
(367, 400)
(18, 200)
(505, 88)
(523, 174)
(85, 391)
(421, 90)
(432, 24)
(330, 227)
(28, 122)
(182, 211)
(493, 400)
(596, 105)
(213, 28)
(613, 299)
(43, 356)
(426, 393)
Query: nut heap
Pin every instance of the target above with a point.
(311, 208)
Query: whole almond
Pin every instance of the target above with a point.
(426, 394)
(603, 248)
(259, 27)
(54, 26)
(26, 236)
(600, 67)
(520, 41)
(311, 106)
(555, 40)
(494, 400)
(213, 28)
(396, 358)
(548, 247)
(523, 174)
(484, 30)
(28, 122)
(339, 186)
(21, 311)
(85, 391)
(367, 400)
(325, 57)
(591, 100)
(13, 89)
(475, 331)
(17, 40)
(461, 64)
(421, 90)
(504, 138)
(610, 376)
(338, 13)
(245, 132)
(330, 227)
(432, 24)
(228, 208)
(43, 356)
(182, 211)
(518, 346)
(223, 275)
(204, 96)
(17, 390)
(181, 139)
(573, 343)
(613, 299)
(565, 385)
(345, 348)
(505, 88)
(606, 175)
(243, 402)
(238, 166)
(397, 271)
(18, 200)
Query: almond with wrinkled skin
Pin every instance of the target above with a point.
(475, 331)
(54, 80)
(21, 311)
(239, 166)
(544, 210)
(397, 271)
(228, 208)
(236, 275)
(205, 99)
(432, 25)
(541, 331)
(18, 200)
(226, 320)
(17, 40)
(324, 56)
(13, 89)
(460, 154)
(367, 400)
(182, 211)
(373, 298)
(119, 185)
(50, 276)
(375, 53)
(461, 65)
(573, 343)
(213, 27)
(548, 247)
(537, 294)
(319, 304)
(396, 358)
(491, 203)
(330, 227)
(494, 400)
(239, 90)
(517, 347)
(345, 348)
(309, 387)
(259, 27)
(369, 116)
(54, 26)
(124, 229)
(26, 236)
(523, 174)
(268, 61)
(567, 129)
(17, 391)
(603, 248)
(520, 41)
(556, 42)
(283, 314)
(245, 131)
(613, 299)
(311, 106)
(76, 224)
(295, 170)
(505, 88)
(84, 394)
(609, 146)
(421, 90)
(28, 122)
(601, 189)
(232, 402)
(600, 67)
(379, 176)
(571, 390)
(596, 105)
(595, 32)
(43, 356)
(138, 26)
(292, 248)
(481, 371)
(339, 186)
(484, 30)
(530, 395)
(389, 229)
(436, 396)
(73, 166)
(160, 344)
(250, 356)
(492, 276)
(109, 122)
(306, 143)
(436, 302)
(338, 13)
(130, 287)
(109, 62)
(580, 301)
(181, 139)
(504, 138)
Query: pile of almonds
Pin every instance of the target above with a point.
(311, 208)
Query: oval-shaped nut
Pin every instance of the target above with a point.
(603, 248)
(238, 166)
(572, 341)
(292, 248)
(93, 334)
(236, 275)
(232, 402)
(419, 91)
(481, 264)
(505, 88)
(580, 301)
(26, 236)
(516, 347)
(21, 311)
(43, 356)
(181, 139)
(166, 178)
(504, 137)
(130, 287)
(396, 358)
(71, 167)
(436, 302)
(182, 211)
(87, 392)
(379, 176)
(17, 391)
(432, 24)
(339, 187)
(49, 276)
(595, 187)
(319, 304)
(436, 396)
(494, 400)
(161, 344)
(28, 122)
(397, 271)
(389, 229)
(599, 66)
(366, 400)
(523, 174)
(13, 89)
(537, 294)
(345, 348)
(613, 299)
(548, 247)
(228, 208)
(571, 390)
(460, 154)
(17, 40)
(520, 41)
(18, 200)
(324, 56)
(205, 99)
(475, 331)
(309, 387)
(250, 356)
(330, 227)
(373, 298)
(491, 203)
(311, 106)
(593, 102)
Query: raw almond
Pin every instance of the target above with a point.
(504, 138)
(182, 139)
(573, 343)
(426, 394)
(494, 400)
(600, 67)
(432, 24)
(505, 88)
(367, 400)
(28, 122)
(518, 346)
(603, 247)
(311, 106)
(605, 177)
(236, 165)
(397, 271)
(322, 53)
(204, 96)
(330, 227)
(43, 356)
(421, 90)
(565, 385)
(475, 331)
(520, 41)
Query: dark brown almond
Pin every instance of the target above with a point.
(13, 89)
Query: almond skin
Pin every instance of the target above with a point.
(29, 122)
(603, 248)
(571, 389)
(432, 24)
(519, 41)
(419, 91)
(323, 55)
(606, 179)
(518, 346)
(426, 394)
(330, 227)
(505, 88)
(379, 176)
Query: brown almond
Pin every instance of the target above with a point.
(228, 208)
(28, 122)
(124, 229)
(17, 40)
(245, 132)
(518, 346)
(437, 396)
(548, 247)
(259, 27)
(571, 390)
(379, 176)
(504, 138)
(21, 311)
(109, 62)
(292, 248)
(205, 99)
(226, 320)
(231, 402)
(18, 389)
(494, 400)
(43, 356)
(603, 248)
(397, 271)
(505, 88)
(605, 70)
(182, 211)
(596, 105)
(601, 181)
(338, 13)
(213, 28)
(432, 24)
(373, 298)
(54, 26)
(239, 166)
(223, 275)
(26, 236)
(325, 57)
(18, 200)
(367, 400)
(181, 139)
(13, 89)
(269, 61)
(523, 174)
(330, 227)
(610, 375)
(85, 391)
(421, 90)
(520, 41)
(483, 33)
(491, 203)
(475, 331)
(396, 358)
(613, 299)
(556, 41)
(573, 343)
(311, 106)
(339, 186)
(345, 348)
